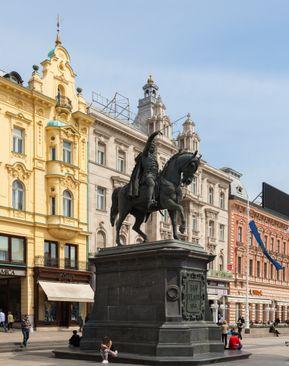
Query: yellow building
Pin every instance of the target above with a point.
(44, 194)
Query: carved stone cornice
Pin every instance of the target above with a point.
(18, 170)
(69, 182)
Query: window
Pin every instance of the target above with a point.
(211, 195)
(265, 270)
(53, 153)
(221, 263)
(278, 275)
(278, 246)
(194, 185)
(100, 198)
(211, 229)
(121, 161)
(266, 241)
(53, 206)
(284, 247)
(194, 222)
(222, 232)
(101, 154)
(100, 239)
(240, 234)
(50, 254)
(166, 215)
(272, 271)
(239, 265)
(67, 152)
(258, 269)
(251, 239)
(284, 274)
(70, 256)
(12, 249)
(17, 195)
(272, 244)
(67, 204)
(18, 140)
(222, 200)
(251, 267)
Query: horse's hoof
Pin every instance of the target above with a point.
(176, 237)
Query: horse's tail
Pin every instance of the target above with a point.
(114, 205)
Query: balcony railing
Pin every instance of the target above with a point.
(63, 102)
(41, 261)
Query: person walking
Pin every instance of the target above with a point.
(3, 320)
(224, 331)
(25, 326)
(10, 321)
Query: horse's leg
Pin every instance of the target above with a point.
(121, 216)
(174, 223)
(173, 206)
(139, 219)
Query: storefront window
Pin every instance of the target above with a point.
(50, 311)
(74, 311)
(4, 253)
(17, 250)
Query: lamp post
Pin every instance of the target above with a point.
(247, 322)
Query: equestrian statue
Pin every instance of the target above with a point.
(150, 190)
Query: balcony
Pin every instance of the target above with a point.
(64, 263)
(63, 104)
(220, 275)
(62, 227)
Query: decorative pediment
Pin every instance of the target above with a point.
(19, 116)
(18, 170)
(118, 181)
(70, 132)
(69, 182)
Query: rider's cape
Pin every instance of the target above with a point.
(134, 183)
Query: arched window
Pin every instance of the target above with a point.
(211, 195)
(18, 195)
(222, 200)
(67, 203)
(101, 239)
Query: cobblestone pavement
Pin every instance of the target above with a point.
(265, 352)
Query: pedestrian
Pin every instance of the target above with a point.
(240, 328)
(10, 321)
(106, 349)
(25, 327)
(74, 340)
(234, 342)
(224, 331)
(273, 329)
(3, 320)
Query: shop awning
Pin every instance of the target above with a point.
(73, 292)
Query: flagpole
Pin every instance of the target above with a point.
(247, 322)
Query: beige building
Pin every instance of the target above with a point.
(43, 194)
(114, 144)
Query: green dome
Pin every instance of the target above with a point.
(53, 123)
(51, 53)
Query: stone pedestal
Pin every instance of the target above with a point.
(151, 300)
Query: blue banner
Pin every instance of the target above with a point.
(257, 236)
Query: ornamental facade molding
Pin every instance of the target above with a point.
(18, 171)
(69, 182)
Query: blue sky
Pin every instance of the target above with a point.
(226, 62)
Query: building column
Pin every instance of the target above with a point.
(283, 313)
(242, 310)
(266, 312)
(279, 312)
(252, 313)
(231, 313)
(272, 312)
(259, 313)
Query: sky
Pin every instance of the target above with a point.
(226, 62)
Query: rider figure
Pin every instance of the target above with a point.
(145, 172)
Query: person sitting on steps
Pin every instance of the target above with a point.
(106, 349)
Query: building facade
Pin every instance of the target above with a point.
(268, 288)
(44, 193)
(114, 146)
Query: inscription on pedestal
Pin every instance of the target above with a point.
(193, 295)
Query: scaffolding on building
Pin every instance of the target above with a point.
(117, 107)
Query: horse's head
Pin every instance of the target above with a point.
(190, 168)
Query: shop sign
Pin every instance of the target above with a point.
(11, 272)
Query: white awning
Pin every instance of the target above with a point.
(73, 292)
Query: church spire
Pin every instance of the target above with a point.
(57, 40)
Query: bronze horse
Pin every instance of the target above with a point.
(179, 169)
